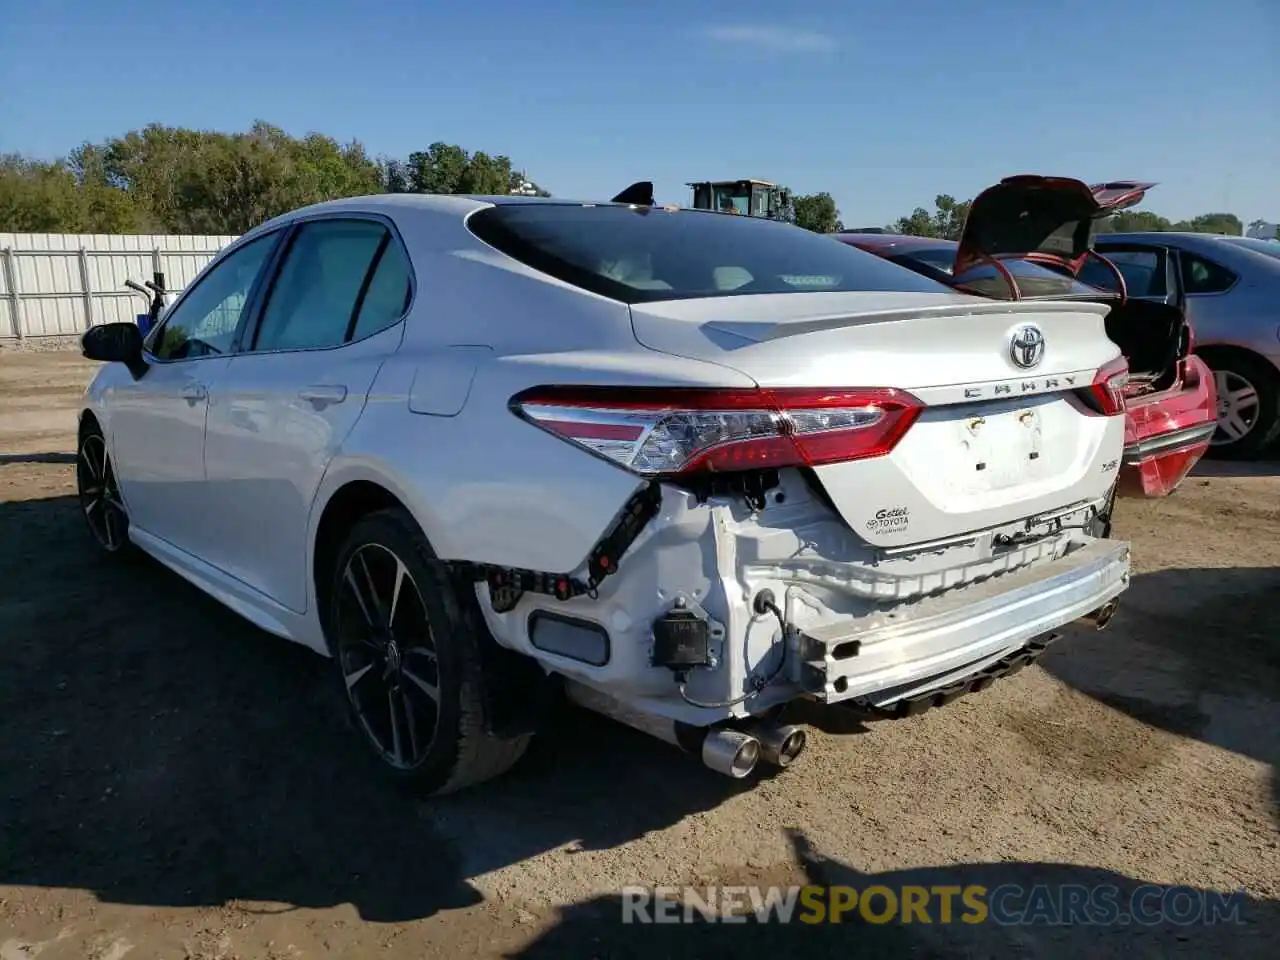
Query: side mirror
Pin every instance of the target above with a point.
(115, 343)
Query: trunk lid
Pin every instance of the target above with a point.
(1050, 218)
(1004, 435)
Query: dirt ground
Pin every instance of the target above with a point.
(174, 783)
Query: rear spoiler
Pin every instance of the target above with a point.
(764, 331)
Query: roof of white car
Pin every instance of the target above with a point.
(457, 204)
(427, 201)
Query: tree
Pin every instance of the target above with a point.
(447, 168)
(438, 169)
(946, 222)
(486, 175)
(817, 212)
(1224, 223)
(1134, 221)
(35, 197)
(63, 197)
(177, 180)
(948, 218)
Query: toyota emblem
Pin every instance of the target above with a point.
(1026, 348)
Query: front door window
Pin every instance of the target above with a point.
(203, 323)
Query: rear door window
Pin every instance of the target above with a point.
(320, 294)
(653, 254)
(1204, 276)
(1143, 272)
(387, 297)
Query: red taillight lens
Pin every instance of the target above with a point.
(1107, 390)
(659, 432)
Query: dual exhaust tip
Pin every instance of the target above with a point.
(733, 753)
(736, 753)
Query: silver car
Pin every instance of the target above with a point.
(1232, 287)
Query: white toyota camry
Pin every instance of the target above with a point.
(685, 467)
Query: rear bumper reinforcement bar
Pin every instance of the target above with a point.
(913, 649)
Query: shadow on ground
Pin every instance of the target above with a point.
(595, 928)
(1194, 652)
(1267, 465)
(6, 458)
(158, 750)
(1191, 651)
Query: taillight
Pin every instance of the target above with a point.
(655, 431)
(1106, 393)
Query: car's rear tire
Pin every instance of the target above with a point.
(99, 494)
(1248, 406)
(406, 642)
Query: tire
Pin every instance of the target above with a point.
(428, 658)
(99, 496)
(1235, 374)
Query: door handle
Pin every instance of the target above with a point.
(323, 394)
(194, 391)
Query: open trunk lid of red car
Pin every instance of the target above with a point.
(1048, 218)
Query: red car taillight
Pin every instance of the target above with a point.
(1106, 393)
(658, 432)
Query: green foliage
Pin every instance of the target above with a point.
(817, 212)
(1129, 221)
(176, 180)
(946, 222)
(39, 197)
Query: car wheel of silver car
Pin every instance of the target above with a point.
(1248, 407)
(406, 642)
(99, 493)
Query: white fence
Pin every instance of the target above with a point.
(60, 284)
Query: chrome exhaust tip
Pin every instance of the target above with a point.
(781, 746)
(731, 752)
(1102, 616)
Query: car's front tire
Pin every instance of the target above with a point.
(406, 642)
(99, 494)
(1248, 406)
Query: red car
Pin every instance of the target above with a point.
(1029, 237)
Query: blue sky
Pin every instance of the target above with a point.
(883, 104)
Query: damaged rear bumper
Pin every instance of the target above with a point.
(1154, 467)
(851, 620)
(939, 641)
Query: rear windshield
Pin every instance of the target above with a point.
(648, 254)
